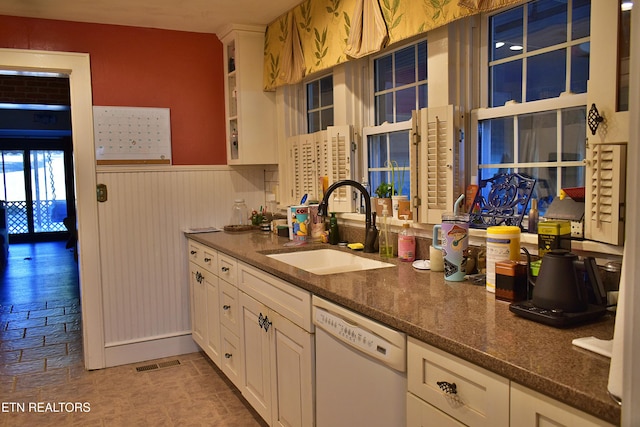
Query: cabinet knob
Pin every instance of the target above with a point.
(225, 269)
(227, 355)
(194, 252)
(226, 307)
(264, 322)
(207, 259)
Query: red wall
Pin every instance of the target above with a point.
(141, 67)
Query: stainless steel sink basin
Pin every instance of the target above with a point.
(328, 261)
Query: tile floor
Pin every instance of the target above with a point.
(43, 381)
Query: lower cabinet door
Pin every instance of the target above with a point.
(198, 304)
(532, 409)
(421, 414)
(256, 387)
(212, 347)
(292, 373)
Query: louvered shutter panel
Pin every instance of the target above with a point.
(339, 151)
(303, 157)
(438, 163)
(605, 192)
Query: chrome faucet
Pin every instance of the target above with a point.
(370, 232)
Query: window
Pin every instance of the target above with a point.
(319, 104)
(538, 67)
(399, 87)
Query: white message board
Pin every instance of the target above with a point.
(132, 135)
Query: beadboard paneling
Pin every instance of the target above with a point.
(143, 249)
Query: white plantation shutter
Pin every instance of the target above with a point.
(606, 150)
(438, 163)
(605, 192)
(340, 138)
(304, 168)
(323, 153)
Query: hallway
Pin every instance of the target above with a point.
(42, 377)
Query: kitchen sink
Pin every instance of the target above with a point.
(328, 261)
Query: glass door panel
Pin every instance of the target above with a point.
(48, 195)
(14, 190)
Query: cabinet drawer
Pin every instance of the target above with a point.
(229, 307)
(231, 357)
(481, 397)
(421, 414)
(228, 269)
(203, 256)
(287, 299)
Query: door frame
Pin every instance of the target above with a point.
(77, 66)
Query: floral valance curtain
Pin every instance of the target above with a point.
(324, 29)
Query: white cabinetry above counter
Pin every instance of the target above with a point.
(250, 111)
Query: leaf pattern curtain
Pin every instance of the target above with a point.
(368, 31)
(325, 26)
(293, 68)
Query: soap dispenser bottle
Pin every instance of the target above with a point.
(334, 235)
(384, 242)
(406, 243)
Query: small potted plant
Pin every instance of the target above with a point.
(383, 193)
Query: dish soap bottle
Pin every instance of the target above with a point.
(384, 243)
(406, 244)
(334, 235)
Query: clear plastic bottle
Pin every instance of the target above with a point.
(384, 241)
(239, 213)
(406, 244)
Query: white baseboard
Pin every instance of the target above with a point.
(134, 352)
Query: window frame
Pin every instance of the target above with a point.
(514, 109)
(321, 108)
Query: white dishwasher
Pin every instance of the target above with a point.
(361, 375)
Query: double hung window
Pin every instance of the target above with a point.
(538, 68)
(399, 87)
(319, 104)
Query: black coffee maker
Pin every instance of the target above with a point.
(566, 292)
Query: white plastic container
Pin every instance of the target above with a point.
(503, 243)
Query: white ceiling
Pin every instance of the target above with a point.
(202, 16)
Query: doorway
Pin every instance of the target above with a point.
(37, 187)
(77, 66)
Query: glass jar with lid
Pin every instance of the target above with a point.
(239, 213)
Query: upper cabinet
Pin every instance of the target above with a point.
(250, 111)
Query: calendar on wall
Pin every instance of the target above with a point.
(132, 135)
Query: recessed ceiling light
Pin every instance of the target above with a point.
(516, 47)
(499, 45)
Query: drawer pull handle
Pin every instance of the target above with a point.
(225, 269)
(447, 388)
(227, 355)
(207, 259)
(264, 322)
(226, 307)
(194, 252)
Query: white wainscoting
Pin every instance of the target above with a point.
(143, 250)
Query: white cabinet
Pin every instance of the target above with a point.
(481, 397)
(198, 304)
(453, 389)
(214, 307)
(532, 409)
(277, 345)
(250, 111)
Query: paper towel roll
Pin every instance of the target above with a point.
(435, 259)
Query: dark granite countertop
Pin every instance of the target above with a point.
(458, 317)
